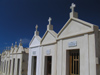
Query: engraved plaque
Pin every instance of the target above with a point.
(72, 44)
(48, 52)
(34, 52)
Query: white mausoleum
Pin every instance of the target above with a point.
(34, 63)
(75, 50)
(15, 61)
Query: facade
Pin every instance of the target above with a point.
(75, 50)
(15, 61)
(34, 63)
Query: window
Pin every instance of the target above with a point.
(74, 62)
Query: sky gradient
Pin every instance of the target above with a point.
(19, 17)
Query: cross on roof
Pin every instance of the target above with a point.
(12, 44)
(15, 43)
(20, 40)
(8, 48)
(72, 7)
(36, 27)
(49, 20)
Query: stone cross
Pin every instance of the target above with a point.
(36, 27)
(49, 20)
(12, 44)
(20, 40)
(6, 48)
(15, 43)
(72, 7)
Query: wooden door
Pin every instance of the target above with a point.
(74, 62)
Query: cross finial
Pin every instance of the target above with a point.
(20, 40)
(12, 44)
(15, 43)
(72, 7)
(49, 20)
(36, 27)
(6, 48)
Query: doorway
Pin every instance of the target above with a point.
(48, 65)
(9, 67)
(34, 63)
(18, 66)
(74, 62)
(13, 66)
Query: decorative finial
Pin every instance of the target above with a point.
(36, 27)
(12, 45)
(20, 42)
(49, 20)
(15, 44)
(73, 14)
(6, 48)
(36, 33)
(72, 7)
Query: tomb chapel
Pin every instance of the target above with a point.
(74, 50)
(15, 60)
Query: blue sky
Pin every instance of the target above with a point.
(19, 17)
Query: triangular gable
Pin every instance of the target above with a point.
(8, 54)
(20, 49)
(75, 26)
(35, 41)
(12, 50)
(49, 37)
(15, 50)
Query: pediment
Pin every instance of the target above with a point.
(49, 37)
(8, 54)
(20, 49)
(15, 50)
(12, 50)
(74, 27)
(35, 41)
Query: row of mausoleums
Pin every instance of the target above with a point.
(15, 61)
(75, 50)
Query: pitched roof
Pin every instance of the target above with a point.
(53, 33)
(78, 20)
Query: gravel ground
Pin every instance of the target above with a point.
(0, 73)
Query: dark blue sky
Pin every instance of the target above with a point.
(19, 17)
